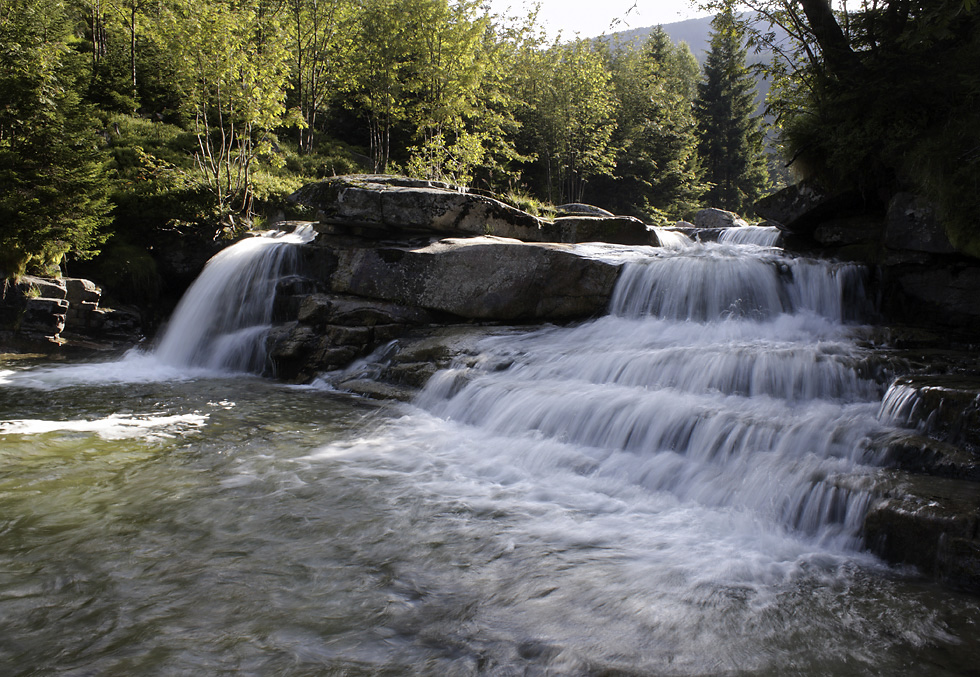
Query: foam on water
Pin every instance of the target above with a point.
(113, 427)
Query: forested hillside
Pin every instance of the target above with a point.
(136, 126)
(126, 124)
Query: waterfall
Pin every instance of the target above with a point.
(764, 236)
(725, 375)
(222, 320)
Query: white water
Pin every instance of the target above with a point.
(652, 492)
(222, 321)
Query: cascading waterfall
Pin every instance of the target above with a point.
(222, 320)
(724, 375)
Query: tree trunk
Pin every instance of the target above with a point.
(840, 59)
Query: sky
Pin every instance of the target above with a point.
(590, 18)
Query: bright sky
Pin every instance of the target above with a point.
(590, 18)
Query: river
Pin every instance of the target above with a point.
(648, 493)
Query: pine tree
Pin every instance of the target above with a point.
(730, 137)
(53, 187)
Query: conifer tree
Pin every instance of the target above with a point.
(53, 192)
(730, 137)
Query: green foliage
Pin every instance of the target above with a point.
(571, 118)
(53, 193)
(730, 138)
(881, 99)
(657, 174)
(167, 124)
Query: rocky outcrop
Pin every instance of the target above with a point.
(390, 207)
(356, 295)
(615, 229)
(913, 225)
(54, 314)
(380, 207)
(920, 278)
(330, 331)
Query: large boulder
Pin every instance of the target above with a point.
(615, 229)
(380, 207)
(385, 206)
(802, 207)
(718, 218)
(486, 278)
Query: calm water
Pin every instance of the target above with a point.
(650, 493)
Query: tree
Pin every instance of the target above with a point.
(657, 173)
(880, 99)
(235, 74)
(53, 190)
(321, 45)
(573, 119)
(445, 85)
(381, 67)
(730, 137)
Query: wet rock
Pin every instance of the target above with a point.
(946, 407)
(928, 522)
(917, 453)
(331, 331)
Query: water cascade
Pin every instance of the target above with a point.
(222, 320)
(676, 488)
(725, 375)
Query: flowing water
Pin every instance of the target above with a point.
(650, 493)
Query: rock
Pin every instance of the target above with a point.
(917, 453)
(718, 218)
(44, 316)
(804, 206)
(81, 291)
(485, 278)
(943, 294)
(322, 309)
(945, 407)
(613, 229)
(850, 230)
(381, 207)
(579, 209)
(913, 224)
(42, 287)
(929, 522)
(330, 331)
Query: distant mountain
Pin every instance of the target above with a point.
(695, 32)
